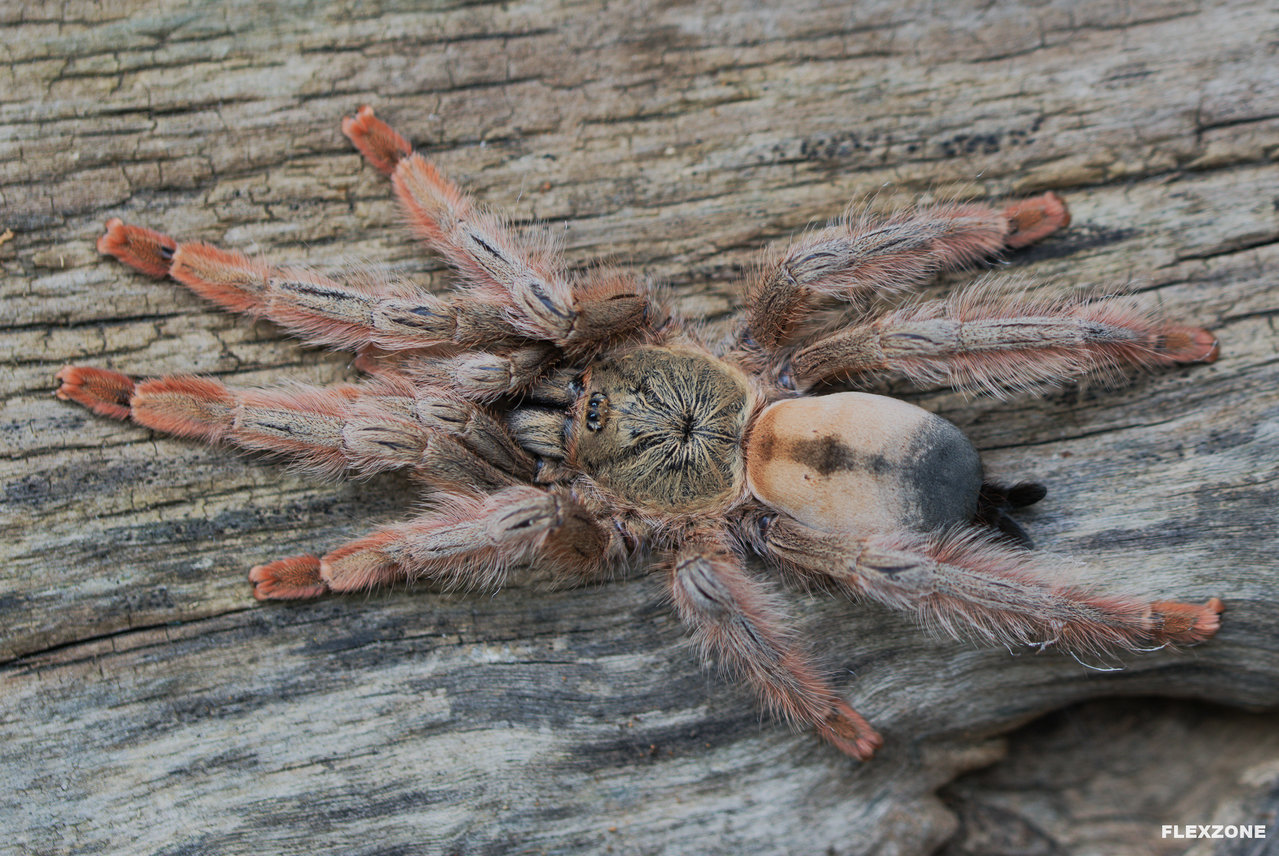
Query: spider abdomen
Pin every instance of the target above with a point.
(858, 462)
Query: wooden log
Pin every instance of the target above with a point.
(151, 706)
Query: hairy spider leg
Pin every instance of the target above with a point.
(474, 375)
(738, 621)
(868, 256)
(965, 583)
(316, 308)
(525, 277)
(327, 430)
(469, 542)
(996, 343)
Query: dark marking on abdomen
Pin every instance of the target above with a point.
(945, 472)
(830, 454)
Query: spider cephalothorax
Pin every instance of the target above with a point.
(567, 421)
(659, 427)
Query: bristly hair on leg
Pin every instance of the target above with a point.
(1001, 341)
(964, 583)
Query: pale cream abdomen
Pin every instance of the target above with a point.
(855, 462)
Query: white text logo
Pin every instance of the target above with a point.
(1215, 830)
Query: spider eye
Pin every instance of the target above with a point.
(595, 406)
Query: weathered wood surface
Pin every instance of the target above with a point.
(150, 706)
(1106, 776)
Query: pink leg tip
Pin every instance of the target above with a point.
(144, 249)
(106, 393)
(376, 140)
(850, 733)
(294, 578)
(1188, 623)
(1036, 218)
(1189, 345)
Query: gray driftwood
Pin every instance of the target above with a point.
(150, 706)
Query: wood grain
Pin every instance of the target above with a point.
(150, 706)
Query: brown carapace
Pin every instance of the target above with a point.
(570, 421)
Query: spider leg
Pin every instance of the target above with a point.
(316, 308)
(480, 375)
(525, 278)
(975, 341)
(364, 429)
(477, 430)
(735, 618)
(470, 542)
(966, 583)
(865, 256)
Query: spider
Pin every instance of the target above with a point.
(572, 422)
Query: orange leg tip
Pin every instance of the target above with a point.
(106, 393)
(1036, 218)
(295, 578)
(143, 249)
(1190, 345)
(1187, 623)
(850, 733)
(376, 140)
(1210, 616)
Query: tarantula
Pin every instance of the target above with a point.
(570, 421)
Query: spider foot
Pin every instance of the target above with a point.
(1188, 345)
(850, 733)
(294, 578)
(1187, 623)
(106, 393)
(1035, 219)
(376, 140)
(144, 249)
